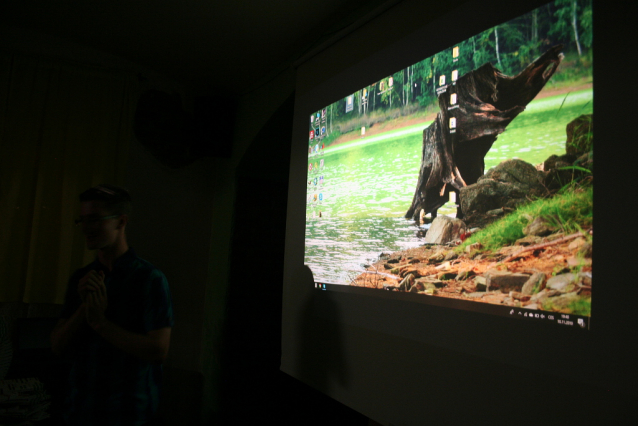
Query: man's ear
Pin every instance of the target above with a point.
(123, 221)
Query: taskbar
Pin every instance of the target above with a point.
(561, 319)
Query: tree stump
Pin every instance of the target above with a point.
(455, 144)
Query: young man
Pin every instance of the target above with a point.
(116, 321)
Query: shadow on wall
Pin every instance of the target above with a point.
(320, 339)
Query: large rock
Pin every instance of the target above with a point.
(444, 229)
(507, 185)
(505, 281)
(488, 194)
(578, 162)
(479, 219)
(518, 172)
(559, 173)
(586, 161)
(536, 281)
(580, 137)
(539, 227)
(554, 161)
(571, 282)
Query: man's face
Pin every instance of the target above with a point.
(99, 233)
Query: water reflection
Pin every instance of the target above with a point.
(336, 248)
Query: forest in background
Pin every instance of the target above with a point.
(510, 47)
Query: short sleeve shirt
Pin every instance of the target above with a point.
(107, 385)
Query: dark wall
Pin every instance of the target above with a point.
(252, 386)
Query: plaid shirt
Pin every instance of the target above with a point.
(108, 386)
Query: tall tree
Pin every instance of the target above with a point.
(567, 21)
(498, 56)
(575, 26)
(534, 35)
(373, 95)
(332, 107)
(411, 83)
(585, 22)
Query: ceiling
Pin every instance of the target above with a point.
(209, 45)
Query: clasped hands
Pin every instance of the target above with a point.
(92, 292)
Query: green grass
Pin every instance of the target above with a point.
(570, 211)
(576, 307)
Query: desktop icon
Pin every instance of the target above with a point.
(442, 80)
(452, 123)
(312, 135)
(455, 75)
(453, 99)
(349, 103)
(455, 52)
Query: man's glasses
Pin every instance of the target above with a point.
(93, 220)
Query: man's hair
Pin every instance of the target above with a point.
(116, 199)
